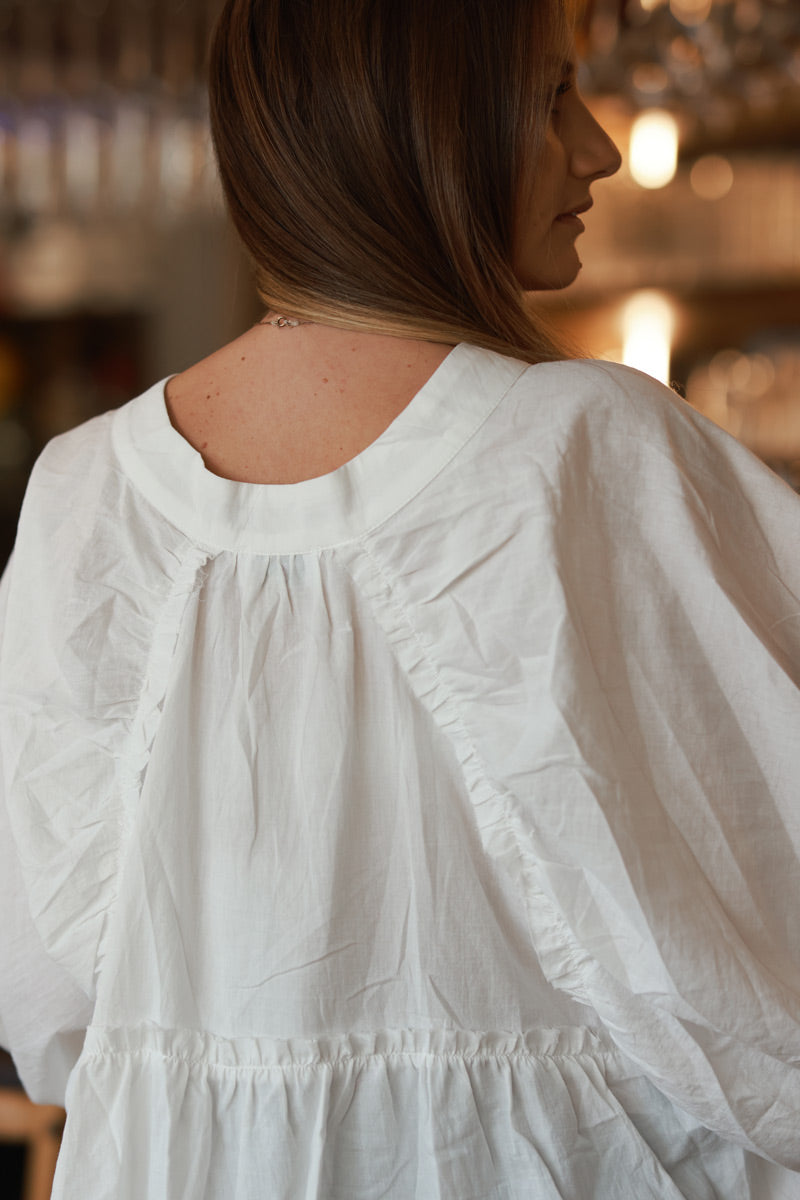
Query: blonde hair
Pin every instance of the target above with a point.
(370, 153)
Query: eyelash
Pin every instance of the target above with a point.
(560, 91)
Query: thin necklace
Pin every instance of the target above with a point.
(284, 322)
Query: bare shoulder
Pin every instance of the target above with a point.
(202, 401)
(215, 378)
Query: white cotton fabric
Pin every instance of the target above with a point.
(429, 829)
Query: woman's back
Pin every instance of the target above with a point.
(400, 746)
(367, 752)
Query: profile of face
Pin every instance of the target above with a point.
(555, 191)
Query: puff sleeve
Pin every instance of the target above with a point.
(80, 642)
(656, 810)
(618, 663)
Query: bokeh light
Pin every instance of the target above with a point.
(653, 155)
(648, 323)
(711, 177)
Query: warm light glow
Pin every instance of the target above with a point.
(647, 324)
(653, 148)
(711, 177)
(690, 12)
(761, 376)
(649, 77)
(721, 366)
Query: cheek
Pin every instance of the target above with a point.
(535, 208)
(540, 200)
(543, 181)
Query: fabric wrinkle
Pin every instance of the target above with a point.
(426, 829)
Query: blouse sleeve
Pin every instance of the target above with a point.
(43, 1013)
(604, 616)
(660, 818)
(88, 581)
(603, 613)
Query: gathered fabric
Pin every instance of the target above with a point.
(428, 829)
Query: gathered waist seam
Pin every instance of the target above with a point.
(413, 1057)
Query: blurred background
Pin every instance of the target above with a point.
(692, 253)
(117, 266)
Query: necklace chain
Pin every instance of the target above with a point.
(284, 322)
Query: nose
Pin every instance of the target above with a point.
(594, 154)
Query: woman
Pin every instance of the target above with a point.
(399, 718)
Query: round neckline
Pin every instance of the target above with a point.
(326, 510)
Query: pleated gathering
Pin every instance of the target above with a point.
(428, 829)
(400, 1114)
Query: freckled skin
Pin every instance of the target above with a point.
(262, 410)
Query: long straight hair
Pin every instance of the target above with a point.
(370, 153)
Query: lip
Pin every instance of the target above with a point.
(571, 219)
(577, 210)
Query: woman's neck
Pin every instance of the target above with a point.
(280, 405)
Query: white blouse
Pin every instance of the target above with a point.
(429, 829)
